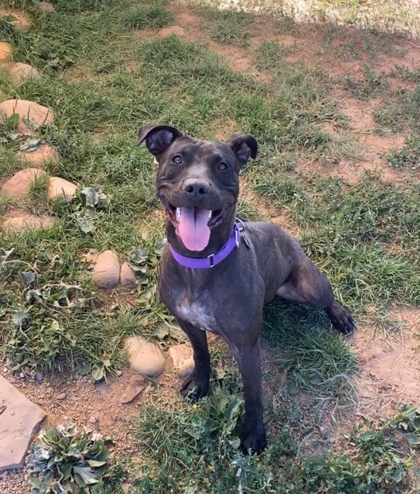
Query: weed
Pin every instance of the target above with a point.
(66, 460)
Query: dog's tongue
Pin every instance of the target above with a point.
(193, 229)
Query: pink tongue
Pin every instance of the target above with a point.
(193, 229)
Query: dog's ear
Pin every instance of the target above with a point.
(158, 137)
(244, 146)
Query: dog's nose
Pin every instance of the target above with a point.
(196, 189)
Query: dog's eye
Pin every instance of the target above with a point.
(222, 166)
(177, 159)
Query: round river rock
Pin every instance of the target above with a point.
(145, 358)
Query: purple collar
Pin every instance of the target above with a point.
(213, 259)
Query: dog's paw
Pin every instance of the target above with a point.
(195, 387)
(341, 318)
(253, 442)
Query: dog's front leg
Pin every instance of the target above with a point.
(196, 386)
(249, 362)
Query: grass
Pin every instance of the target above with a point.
(102, 81)
(149, 17)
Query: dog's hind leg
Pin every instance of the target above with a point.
(196, 386)
(307, 285)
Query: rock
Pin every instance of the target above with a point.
(19, 221)
(106, 272)
(127, 277)
(39, 377)
(144, 357)
(19, 422)
(168, 31)
(46, 7)
(41, 155)
(19, 72)
(60, 188)
(22, 23)
(20, 183)
(132, 392)
(182, 357)
(93, 419)
(61, 396)
(38, 115)
(5, 51)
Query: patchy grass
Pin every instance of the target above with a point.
(195, 449)
(102, 82)
(149, 17)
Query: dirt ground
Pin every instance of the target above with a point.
(389, 363)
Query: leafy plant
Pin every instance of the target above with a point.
(65, 460)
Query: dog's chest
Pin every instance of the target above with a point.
(196, 313)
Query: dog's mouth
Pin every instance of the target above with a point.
(193, 225)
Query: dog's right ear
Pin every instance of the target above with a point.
(158, 137)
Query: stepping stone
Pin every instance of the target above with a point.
(61, 189)
(106, 272)
(168, 31)
(144, 357)
(37, 114)
(20, 72)
(41, 155)
(5, 51)
(20, 221)
(20, 183)
(182, 357)
(127, 277)
(22, 23)
(46, 7)
(20, 420)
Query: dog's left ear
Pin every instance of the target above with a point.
(158, 137)
(244, 146)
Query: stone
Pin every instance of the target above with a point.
(20, 183)
(22, 23)
(182, 358)
(43, 154)
(106, 272)
(19, 221)
(19, 72)
(127, 277)
(132, 392)
(60, 188)
(37, 114)
(5, 51)
(46, 7)
(169, 31)
(19, 422)
(144, 357)
(61, 396)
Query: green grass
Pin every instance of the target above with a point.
(227, 26)
(102, 82)
(149, 17)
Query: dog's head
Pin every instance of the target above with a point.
(198, 181)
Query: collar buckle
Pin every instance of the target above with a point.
(211, 259)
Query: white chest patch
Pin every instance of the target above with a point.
(197, 315)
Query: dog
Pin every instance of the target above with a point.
(216, 273)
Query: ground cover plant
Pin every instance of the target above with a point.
(106, 71)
